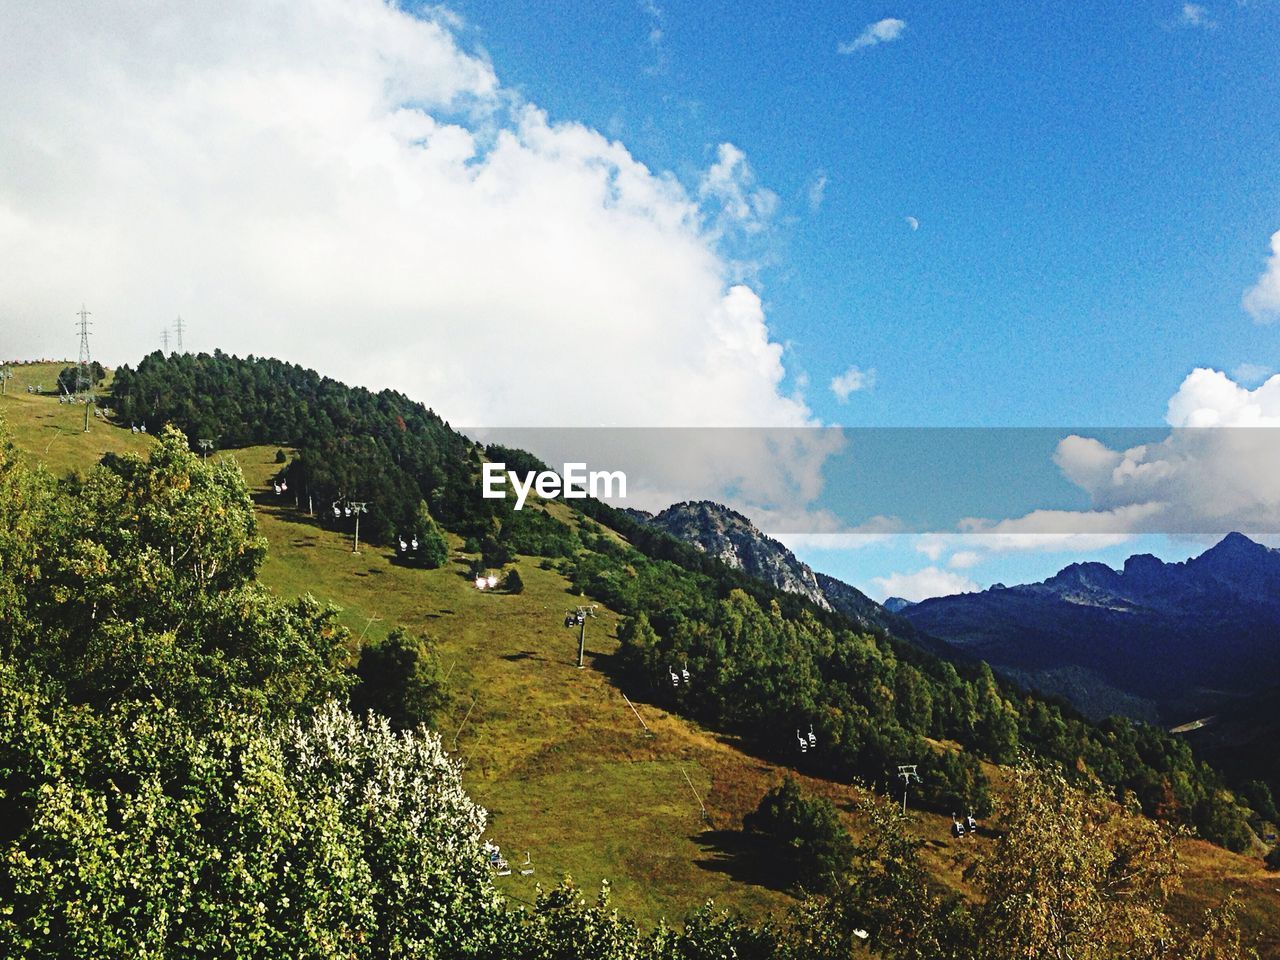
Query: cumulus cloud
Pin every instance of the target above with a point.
(923, 584)
(964, 560)
(1217, 470)
(852, 381)
(882, 31)
(344, 184)
(1262, 300)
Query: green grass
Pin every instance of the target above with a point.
(54, 432)
(554, 752)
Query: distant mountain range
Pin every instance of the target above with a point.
(1165, 642)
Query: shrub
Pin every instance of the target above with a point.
(806, 833)
(399, 678)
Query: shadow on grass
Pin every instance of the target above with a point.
(522, 655)
(743, 858)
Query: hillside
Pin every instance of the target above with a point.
(556, 753)
(1164, 642)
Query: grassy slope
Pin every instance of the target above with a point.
(553, 752)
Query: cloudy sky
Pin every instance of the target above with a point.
(658, 213)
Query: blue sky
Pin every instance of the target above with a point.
(1094, 184)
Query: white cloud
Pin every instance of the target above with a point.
(729, 185)
(1194, 15)
(851, 381)
(1209, 398)
(923, 584)
(1262, 300)
(932, 545)
(342, 184)
(1217, 470)
(817, 191)
(912, 222)
(882, 31)
(964, 560)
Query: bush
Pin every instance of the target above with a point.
(399, 678)
(512, 582)
(281, 457)
(807, 834)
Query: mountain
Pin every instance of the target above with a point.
(732, 538)
(895, 604)
(729, 536)
(1159, 641)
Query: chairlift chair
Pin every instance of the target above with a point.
(813, 740)
(277, 486)
(403, 546)
(675, 677)
(337, 511)
(804, 743)
(413, 544)
(284, 485)
(346, 511)
(527, 867)
(684, 672)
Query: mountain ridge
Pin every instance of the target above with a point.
(1155, 639)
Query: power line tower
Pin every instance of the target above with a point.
(178, 330)
(164, 339)
(84, 368)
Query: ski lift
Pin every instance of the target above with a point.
(142, 429)
(497, 860)
(403, 546)
(570, 620)
(675, 677)
(813, 740)
(413, 544)
(284, 485)
(971, 823)
(526, 868)
(337, 512)
(957, 828)
(684, 672)
(277, 486)
(481, 583)
(803, 741)
(346, 510)
(491, 581)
